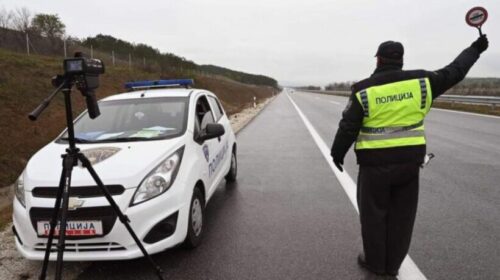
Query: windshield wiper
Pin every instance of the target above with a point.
(127, 139)
(78, 140)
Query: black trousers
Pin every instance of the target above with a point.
(387, 200)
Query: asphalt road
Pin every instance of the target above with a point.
(289, 218)
(457, 230)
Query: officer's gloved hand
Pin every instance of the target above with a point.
(481, 44)
(338, 160)
(339, 164)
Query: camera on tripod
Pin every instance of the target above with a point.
(84, 74)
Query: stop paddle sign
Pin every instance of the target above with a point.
(476, 17)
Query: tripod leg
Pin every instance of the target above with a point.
(53, 224)
(68, 164)
(123, 219)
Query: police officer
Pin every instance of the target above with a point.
(385, 117)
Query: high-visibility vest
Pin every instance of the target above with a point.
(394, 114)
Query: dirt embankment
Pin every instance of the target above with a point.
(25, 82)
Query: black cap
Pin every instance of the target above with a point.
(391, 50)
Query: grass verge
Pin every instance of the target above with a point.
(473, 108)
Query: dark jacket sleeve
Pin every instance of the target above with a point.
(445, 78)
(349, 126)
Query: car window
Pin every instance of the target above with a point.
(207, 118)
(219, 106)
(203, 113)
(134, 119)
(215, 107)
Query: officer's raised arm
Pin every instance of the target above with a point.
(445, 78)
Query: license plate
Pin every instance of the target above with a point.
(73, 228)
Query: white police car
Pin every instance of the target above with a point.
(160, 151)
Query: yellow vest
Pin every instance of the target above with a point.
(394, 114)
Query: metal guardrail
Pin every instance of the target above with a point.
(486, 100)
(469, 99)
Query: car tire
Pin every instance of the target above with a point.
(196, 217)
(233, 170)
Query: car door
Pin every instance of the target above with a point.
(225, 140)
(219, 164)
(210, 148)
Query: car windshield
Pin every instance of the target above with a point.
(133, 120)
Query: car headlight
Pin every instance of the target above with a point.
(160, 179)
(19, 190)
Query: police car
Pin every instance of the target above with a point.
(160, 149)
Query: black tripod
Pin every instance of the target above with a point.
(71, 159)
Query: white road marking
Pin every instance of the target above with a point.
(466, 113)
(408, 270)
(335, 102)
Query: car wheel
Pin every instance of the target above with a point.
(195, 225)
(233, 170)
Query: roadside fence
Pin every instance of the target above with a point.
(31, 43)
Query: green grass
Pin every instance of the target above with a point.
(26, 80)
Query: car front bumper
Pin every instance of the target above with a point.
(118, 244)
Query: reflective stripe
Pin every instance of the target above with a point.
(401, 134)
(395, 117)
(392, 129)
(423, 89)
(364, 100)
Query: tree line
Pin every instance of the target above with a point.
(309, 88)
(21, 19)
(469, 86)
(50, 26)
(109, 43)
(339, 86)
(479, 83)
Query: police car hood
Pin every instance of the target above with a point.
(127, 166)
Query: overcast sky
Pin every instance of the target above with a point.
(296, 42)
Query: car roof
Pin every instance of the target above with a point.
(154, 93)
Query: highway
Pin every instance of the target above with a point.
(457, 227)
(288, 217)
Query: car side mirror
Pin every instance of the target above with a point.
(213, 130)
